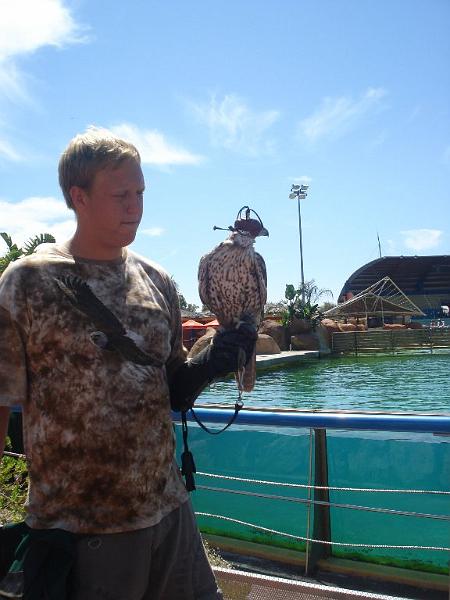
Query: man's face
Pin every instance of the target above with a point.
(112, 207)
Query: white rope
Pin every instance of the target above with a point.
(304, 539)
(390, 511)
(321, 487)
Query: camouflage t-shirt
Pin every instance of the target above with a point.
(97, 428)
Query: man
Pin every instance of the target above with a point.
(97, 421)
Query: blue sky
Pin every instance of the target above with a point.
(229, 103)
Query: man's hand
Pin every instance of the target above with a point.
(231, 349)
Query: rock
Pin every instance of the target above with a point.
(358, 321)
(266, 345)
(347, 327)
(414, 325)
(304, 341)
(330, 326)
(300, 326)
(276, 331)
(202, 342)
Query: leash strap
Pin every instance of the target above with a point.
(187, 460)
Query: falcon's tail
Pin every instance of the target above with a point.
(248, 381)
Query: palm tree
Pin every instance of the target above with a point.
(14, 252)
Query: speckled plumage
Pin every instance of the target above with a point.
(233, 284)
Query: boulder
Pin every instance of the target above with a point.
(329, 326)
(300, 326)
(304, 341)
(276, 331)
(414, 325)
(202, 342)
(265, 344)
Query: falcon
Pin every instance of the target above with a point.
(111, 334)
(232, 282)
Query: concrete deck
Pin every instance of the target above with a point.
(291, 357)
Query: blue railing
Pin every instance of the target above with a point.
(416, 423)
(318, 536)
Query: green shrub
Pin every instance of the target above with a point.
(13, 487)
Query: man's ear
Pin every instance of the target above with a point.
(79, 198)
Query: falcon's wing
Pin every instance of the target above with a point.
(203, 280)
(262, 266)
(83, 298)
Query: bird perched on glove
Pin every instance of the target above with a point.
(233, 284)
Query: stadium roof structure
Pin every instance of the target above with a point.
(414, 275)
(383, 298)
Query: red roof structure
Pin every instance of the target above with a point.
(191, 324)
(213, 323)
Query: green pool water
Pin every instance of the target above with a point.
(417, 383)
(355, 459)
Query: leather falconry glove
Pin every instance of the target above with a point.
(229, 351)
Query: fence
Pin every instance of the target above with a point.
(320, 510)
(390, 340)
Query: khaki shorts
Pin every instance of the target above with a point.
(163, 562)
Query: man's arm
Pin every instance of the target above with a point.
(4, 420)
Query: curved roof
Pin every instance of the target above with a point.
(413, 274)
(191, 324)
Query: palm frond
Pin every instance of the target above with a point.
(43, 238)
(14, 252)
(7, 239)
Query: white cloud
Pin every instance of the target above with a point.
(12, 84)
(235, 126)
(7, 151)
(31, 216)
(154, 148)
(153, 231)
(27, 25)
(335, 116)
(421, 239)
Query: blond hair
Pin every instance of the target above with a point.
(88, 153)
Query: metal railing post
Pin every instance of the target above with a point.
(321, 520)
(310, 504)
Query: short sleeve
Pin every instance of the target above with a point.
(13, 327)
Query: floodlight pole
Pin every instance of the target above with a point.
(301, 249)
(299, 191)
